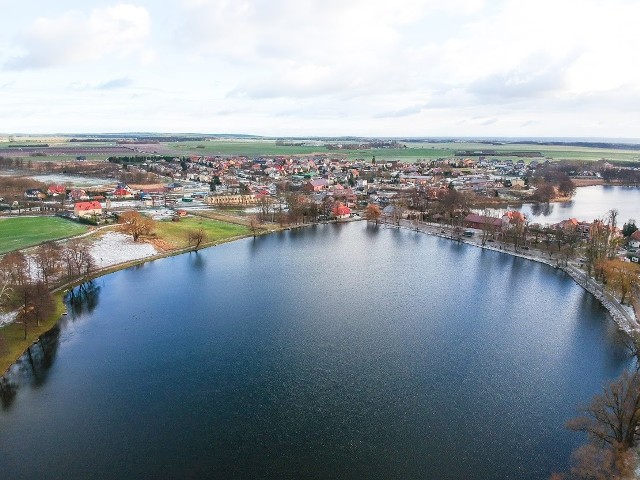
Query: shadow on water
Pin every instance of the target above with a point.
(8, 392)
(33, 367)
(616, 340)
(83, 298)
(197, 261)
(372, 230)
(544, 209)
(41, 355)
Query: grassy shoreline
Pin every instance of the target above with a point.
(18, 346)
(15, 343)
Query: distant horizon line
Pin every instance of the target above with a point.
(586, 139)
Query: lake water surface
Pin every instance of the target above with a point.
(337, 351)
(588, 204)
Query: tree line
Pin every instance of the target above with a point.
(26, 280)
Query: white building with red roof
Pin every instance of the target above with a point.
(341, 211)
(634, 239)
(87, 209)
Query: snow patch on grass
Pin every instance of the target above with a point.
(114, 248)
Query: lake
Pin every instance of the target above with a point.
(338, 351)
(588, 204)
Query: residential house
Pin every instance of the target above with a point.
(87, 209)
(34, 194)
(55, 190)
(634, 239)
(316, 185)
(341, 211)
(482, 222)
(584, 229)
(568, 225)
(77, 194)
(512, 218)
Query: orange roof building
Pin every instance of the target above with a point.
(87, 209)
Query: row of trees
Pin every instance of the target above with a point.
(619, 276)
(293, 208)
(25, 281)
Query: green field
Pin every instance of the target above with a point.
(22, 232)
(249, 148)
(415, 151)
(175, 233)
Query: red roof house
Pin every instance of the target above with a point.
(87, 209)
(512, 218)
(57, 190)
(341, 211)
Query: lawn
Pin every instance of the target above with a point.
(22, 232)
(415, 151)
(175, 233)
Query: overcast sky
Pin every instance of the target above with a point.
(322, 67)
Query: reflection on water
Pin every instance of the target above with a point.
(33, 367)
(197, 261)
(84, 298)
(8, 391)
(588, 204)
(542, 209)
(41, 355)
(341, 351)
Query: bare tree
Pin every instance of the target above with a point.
(6, 289)
(593, 461)
(602, 242)
(296, 206)
(77, 259)
(18, 289)
(488, 226)
(620, 276)
(136, 224)
(265, 206)
(254, 225)
(566, 187)
(15, 266)
(544, 192)
(420, 202)
(516, 233)
(38, 304)
(612, 241)
(326, 208)
(195, 238)
(48, 257)
(612, 417)
(397, 212)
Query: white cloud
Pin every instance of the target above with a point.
(75, 37)
(408, 67)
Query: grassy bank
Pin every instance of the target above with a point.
(13, 341)
(175, 233)
(21, 232)
(173, 236)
